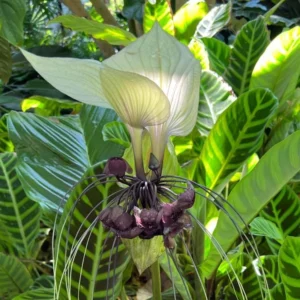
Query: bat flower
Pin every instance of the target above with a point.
(152, 84)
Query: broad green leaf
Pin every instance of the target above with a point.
(187, 18)
(144, 252)
(278, 68)
(253, 192)
(54, 153)
(289, 267)
(94, 257)
(269, 263)
(284, 211)
(262, 227)
(116, 132)
(5, 60)
(214, 21)
(40, 294)
(215, 96)
(277, 292)
(218, 54)
(236, 135)
(45, 106)
(160, 12)
(43, 281)
(181, 284)
(248, 46)
(112, 34)
(19, 215)
(14, 277)
(12, 14)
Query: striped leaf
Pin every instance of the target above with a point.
(214, 21)
(200, 53)
(289, 267)
(5, 60)
(262, 227)
(14, 277)
(54, 153)
(86, 253)
(6, 144)
(253, 192)
(160, 12)
(187, 18)
(236, 136)
(215, 96)
(269, 263)
(218, 54)
(278, 67)
(19, 215)
(248, 46)
(284, 211)
(116, 132)
(40, 294)
(277, 292)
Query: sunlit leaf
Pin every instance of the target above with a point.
(214, 21)
(12, 14)
(5, 60)
(160, 12)
(215, 96)
(289, 266)
(236, 135)
(112, 34)
(6, 144)
(248, 46)
(116, 132)
(19, 215)
(45, 106)
(200, 53)
(14, 277)
(253, 192)
(278, 67)
(187, 18)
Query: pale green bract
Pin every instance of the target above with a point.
(153, 83)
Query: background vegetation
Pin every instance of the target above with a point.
(245, 146)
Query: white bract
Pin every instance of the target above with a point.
(152, 84)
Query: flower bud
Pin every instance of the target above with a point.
(117, 166)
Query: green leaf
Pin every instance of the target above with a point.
(218, 54)
(278, 67)
(289, 267)
(253, 192)
(277, 292)
(248, 46)
(5, 60)
(144, 252)
(200, 53)
(262, 227)
(54, 153)
(284, 211)
(14, 277)
(215, 96)
(97, 259)
(12, 14)
(182, 285)
(187, 18)
(43, 281)
(45, 106)
(40, 294)
(6, 144)
(269, 263)
(112, 34)
(19, 215)
(236, 136)
(160, 12)
(116, 132)
(214, 21)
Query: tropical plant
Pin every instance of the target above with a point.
(210, 209)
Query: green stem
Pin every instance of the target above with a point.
(198, 251)
(156, 281)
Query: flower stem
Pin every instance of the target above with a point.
(156, 281)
